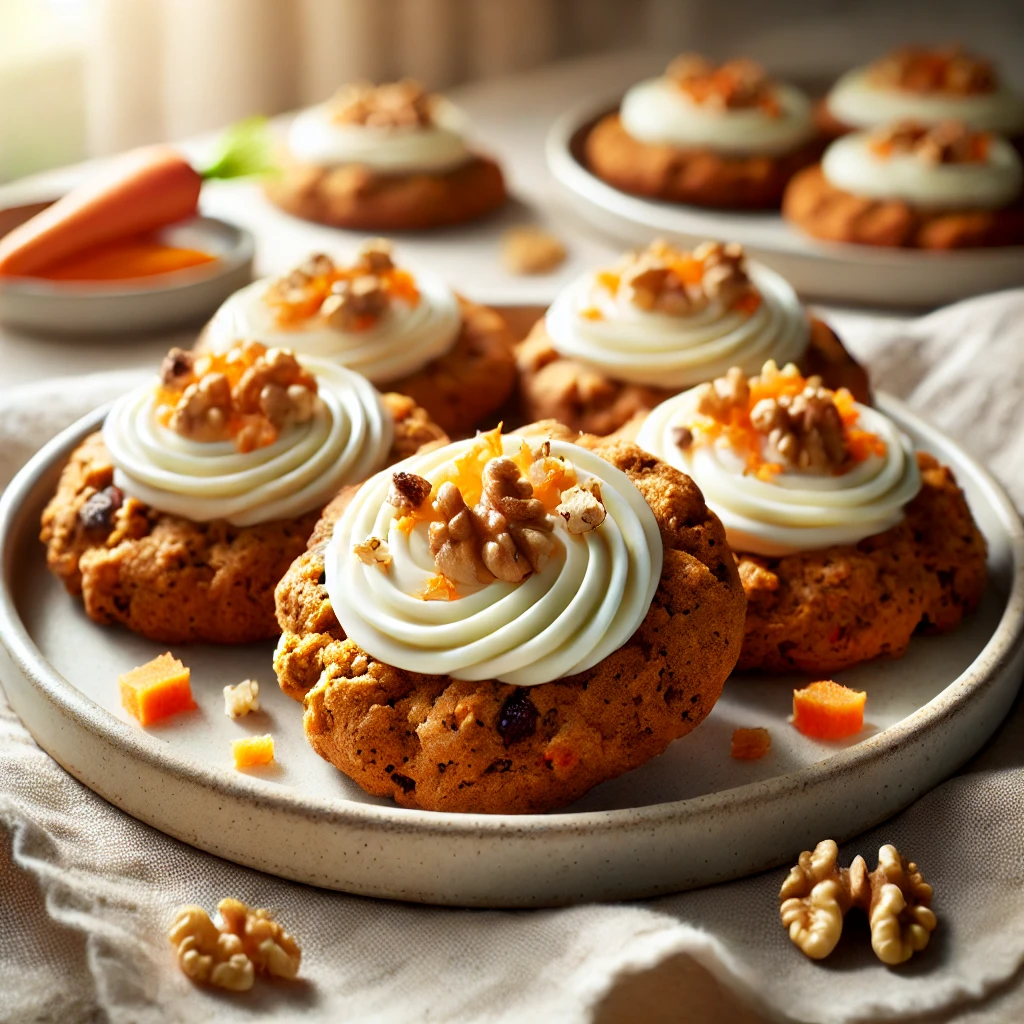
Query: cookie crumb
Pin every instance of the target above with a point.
(373, 551)
(531, 250)
(242, 699)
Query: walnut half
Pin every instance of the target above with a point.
(817, 894)
(208, 955)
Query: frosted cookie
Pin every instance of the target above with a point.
(723, 136)
(180, 516)
(848, 542)
(501, 624)
(385, 158)
(941, 187)
(403, 329)
(925, 85)
(620, 340)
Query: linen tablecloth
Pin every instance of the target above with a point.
(87, 891)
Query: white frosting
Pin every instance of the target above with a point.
(403, 341)
(860, 103)
(585, 603)
(658, 111)
(316, 138)
(660, 350)
(851, 165)
(347, 439)
(796, 511)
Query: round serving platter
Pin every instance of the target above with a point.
(822, 270)
(688, 818)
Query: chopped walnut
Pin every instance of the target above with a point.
(272, 392)
(531, 250)
(208, 955)
(817, 894)
(407, 492)
(271, 949)
(682, 437)
(350, 301)
(950, 69)
(582, 508)
(725, 278)
(373, 551)
(950, 142)
(805, 429)
(718, 398)
(403, 104)
(652, 283)
(177, 368)
(736, 84)
(242, 699)
(506, 536)
(375, 256)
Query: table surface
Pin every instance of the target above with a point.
(510, 118)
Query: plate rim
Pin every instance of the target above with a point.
(985, 670)
(569, 172)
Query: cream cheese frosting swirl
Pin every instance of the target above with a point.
(316, 138)
(853, 165)
(399, 343)
(796, 510)
(347, 438)
(605, 330)
(659, 112)
(585, 603)
(859, 102)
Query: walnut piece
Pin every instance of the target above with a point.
(272, 392)
(407, 492)
(403, 104)
(352, 300)
(271, 949)
(208, 955)
(725, 277)
(814, 900)
(242, 699)
(817, 894)
(506, 536)
(531, 250)
(373, 551)
(805, 429)
(718, 398)
(582, 508)
(899, 911)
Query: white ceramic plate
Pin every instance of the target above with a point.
(688, 818)
(822, 270)
(159, 302)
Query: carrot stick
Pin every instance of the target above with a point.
(141, 191)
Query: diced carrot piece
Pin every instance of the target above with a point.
(156, 690)
(253, 750)
(828, 711)
(750, 744)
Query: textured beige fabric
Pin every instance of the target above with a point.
(85, 891)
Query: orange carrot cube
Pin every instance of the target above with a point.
(828, 711)
(750, 744)
(156, 690)
(253, 750)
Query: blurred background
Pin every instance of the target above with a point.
(84, 78)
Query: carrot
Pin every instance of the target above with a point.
(828, 711)
(253, 750)
(750, 744)
(156, 690)
(138, 192)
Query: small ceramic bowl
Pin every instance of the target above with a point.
(159, 302)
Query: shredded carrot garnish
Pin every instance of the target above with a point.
(437, 588)
(749, 303)
(608, 280)
(591, 313)
(828, 711)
